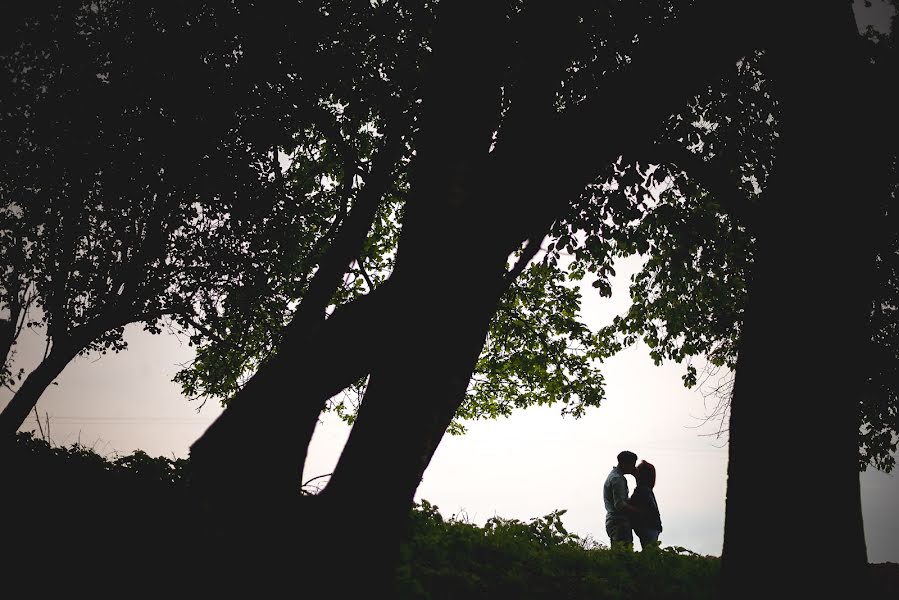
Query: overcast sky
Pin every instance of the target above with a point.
(521, 467)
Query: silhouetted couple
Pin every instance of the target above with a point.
(635, 514)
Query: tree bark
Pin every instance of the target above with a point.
(793, 466)
(7, 337)
(321, 357)
(410, 401)
(25, 399)
(250, 453)
(245, 435)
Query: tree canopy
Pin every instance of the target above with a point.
(432, 148)
(218, 238)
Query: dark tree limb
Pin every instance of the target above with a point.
(529, 252)
(711, 175)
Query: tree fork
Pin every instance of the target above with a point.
(458, 110)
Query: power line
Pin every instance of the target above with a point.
(133, 420)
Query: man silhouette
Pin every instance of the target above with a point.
(615, 494)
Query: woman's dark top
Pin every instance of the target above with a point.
(648, 517)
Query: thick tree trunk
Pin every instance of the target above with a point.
(410, 402)
(25, 399)
(261, 480)
(319, 359)
(306, 340)
(250, 452)
(793, 524)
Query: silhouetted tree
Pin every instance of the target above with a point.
(112, 193)
(523, 107)
(321, 233)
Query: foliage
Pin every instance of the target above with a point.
(364, 101)
(136, 505)
(687, 205)
(538, 351)
(536, 354)
(213, 237)
(136, 155)
(508, 558)
(138, 499)
(328, 84)
(85, 461)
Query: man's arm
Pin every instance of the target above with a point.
(619, 496)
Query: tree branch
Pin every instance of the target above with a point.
(28, 300)
(721, 184)
(9, 330)
(325, 121)
(529, 252)
(665, 70)
(364, 273)
(201, 328)
(58, 321)
(350, 238)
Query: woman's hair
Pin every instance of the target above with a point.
(646, 474)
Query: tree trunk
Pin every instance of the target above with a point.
(249, 452)
(793, 525)
(410, 402)
(302, 346)
(7, 337)
(24, 400)
(321, 358)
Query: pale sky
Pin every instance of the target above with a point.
(522, 467)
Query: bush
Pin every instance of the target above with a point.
(507, 558)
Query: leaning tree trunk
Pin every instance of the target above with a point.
(462, 112)
(793, 525)
(25, 399)
(411, 399)
(244, 435)
(322, 357)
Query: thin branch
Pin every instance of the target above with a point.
(317, 489)
(201, 328)
(23, 316)
(152, 246)
(329, 126)
(529, 252)
(38, 418)
(365, 276)
(276, 165)
(308, 481)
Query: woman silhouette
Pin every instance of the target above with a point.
(646, 521)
